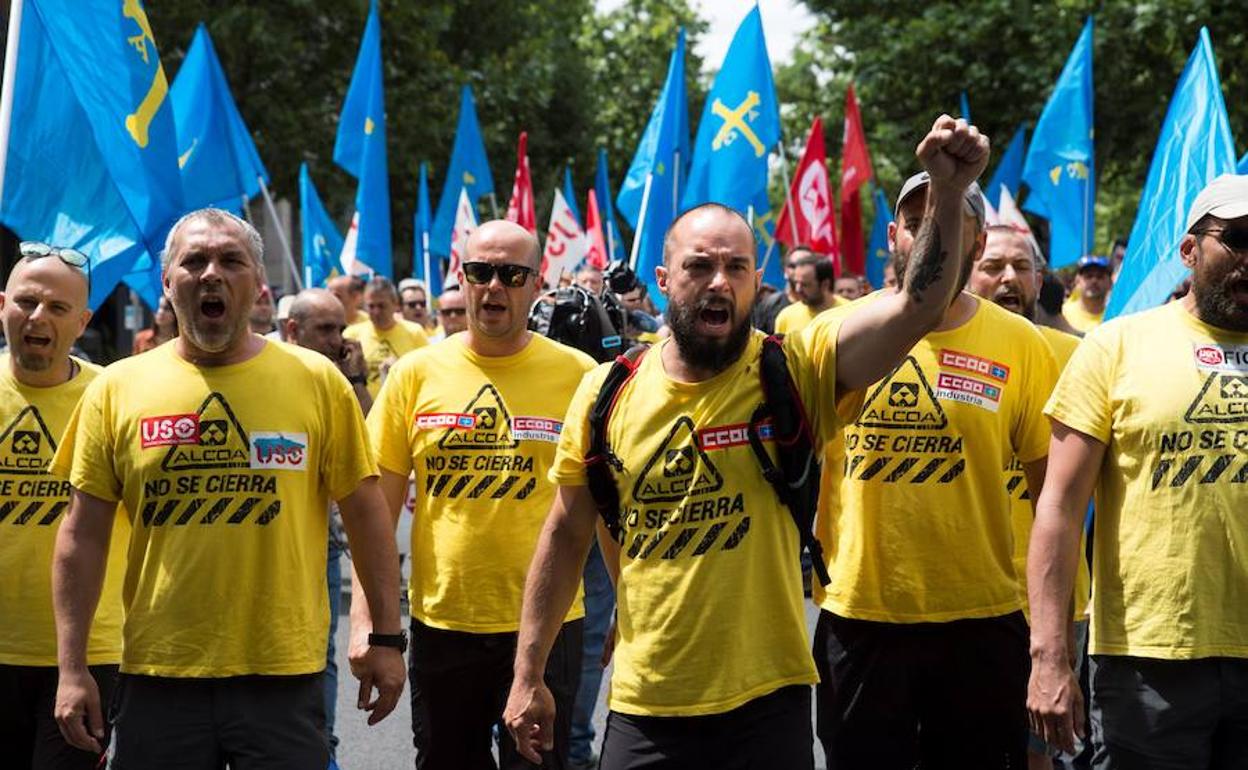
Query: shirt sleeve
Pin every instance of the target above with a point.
(568, 469)
(388, 421)
(87, 451)
(1081, 399)
(1030, 430)
(347, 458)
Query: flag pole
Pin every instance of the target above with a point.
(641, 221)
(424, 253)
(767, 257)
(493, 206)
(675, 184)
(281, 234)
(1087, 189)
(10, 83)
(788, 191)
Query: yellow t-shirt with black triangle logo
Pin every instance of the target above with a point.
(913, 515)
(32, 506)
(479, 432)
(1168, 396)
(228, 471)
(710, 606)
(382, 346)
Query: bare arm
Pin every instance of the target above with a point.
(873, 340)
(1053, 696)
(554, 575)
(79, 559)
(393, 490)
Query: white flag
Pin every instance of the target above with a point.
(465, 223)
(566, 244)
(346, 258)
(1009, 215)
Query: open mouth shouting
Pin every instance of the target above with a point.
(212, 306)
(1009, 299)
(36, 342)
(715, 316)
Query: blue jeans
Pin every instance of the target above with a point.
(599, 606)
(333, 577)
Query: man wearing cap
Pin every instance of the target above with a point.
(921, 633)
(1152, 413)
(1086, 306)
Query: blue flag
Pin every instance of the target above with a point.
(606, 209)
(662, 156)
(321, 240)
(1009, 171)
(425, 266)
(877, 247)
(1059, 169)
(219, 162)
(1242, 168)
(469, 169)
(765, 236)
(1195, 147)
(92, 159)
(964, 105)
(740, 123)
(360, 148)
(569, 193)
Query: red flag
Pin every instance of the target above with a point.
(597, 254)
(520, 209)
(855, 171)
(813, 212)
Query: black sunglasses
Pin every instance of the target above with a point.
(451, 311)
(1233, 238)
(511, 276)
(414, 303)
(31, 250)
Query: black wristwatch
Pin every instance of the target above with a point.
(358, 379)
(397, 641)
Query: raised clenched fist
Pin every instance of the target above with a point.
(953, 152)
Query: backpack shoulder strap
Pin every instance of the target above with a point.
(600, 460)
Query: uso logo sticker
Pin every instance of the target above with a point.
(169, 430)
(279, 451)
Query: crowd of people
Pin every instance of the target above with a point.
(1027, 547)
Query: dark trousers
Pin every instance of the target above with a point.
(1150, 714)
(29, 736)
(460, 683)
(771, 732)
(937, 695)
(249, 722)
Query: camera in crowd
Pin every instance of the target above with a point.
(602, 325)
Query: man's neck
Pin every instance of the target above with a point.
(243, 349)
(389, 325)
(822, 305)
(1091, 305)
(676, 367)
(58, 374)
(496, 347)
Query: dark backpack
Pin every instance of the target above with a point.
(796, 481)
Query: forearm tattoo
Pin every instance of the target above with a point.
(927, 260)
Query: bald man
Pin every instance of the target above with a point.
(477, 418)
(43, 309)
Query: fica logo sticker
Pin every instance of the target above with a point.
(1221, 358)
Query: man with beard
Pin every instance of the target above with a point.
(226, 447)
(1010, 273)
(1092, 284)
(920, 632)
(316, 321)
(476, 418)
(1152, 411)
(812, 279)
(43, 309)
(711, 663)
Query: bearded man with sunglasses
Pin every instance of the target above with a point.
(1152, 412)
(43, 309)
(477, 419)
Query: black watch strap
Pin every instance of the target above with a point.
(397, 641)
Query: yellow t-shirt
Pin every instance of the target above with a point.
(1168, 396)
(913, 517)
(709, 597)
(479, 432)
(796, 315)
(1080, 319)
(1022, 511)
(32, 504)
(229, 471)
(382, 346)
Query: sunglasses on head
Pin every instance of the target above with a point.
(511, 276)
(1233, 238)
(31, 250)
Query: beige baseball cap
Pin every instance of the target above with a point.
(1225, 197)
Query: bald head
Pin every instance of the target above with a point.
(311, 301)
(709, 218)
(71, 282)
(42, 311)
(500, 235)
(316, 322)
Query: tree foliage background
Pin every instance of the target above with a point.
(577, 78)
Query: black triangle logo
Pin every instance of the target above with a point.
(222, 442)
(26, 446)
(1222, 400)
(903, 401)
(679, 469)
(491, 427)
